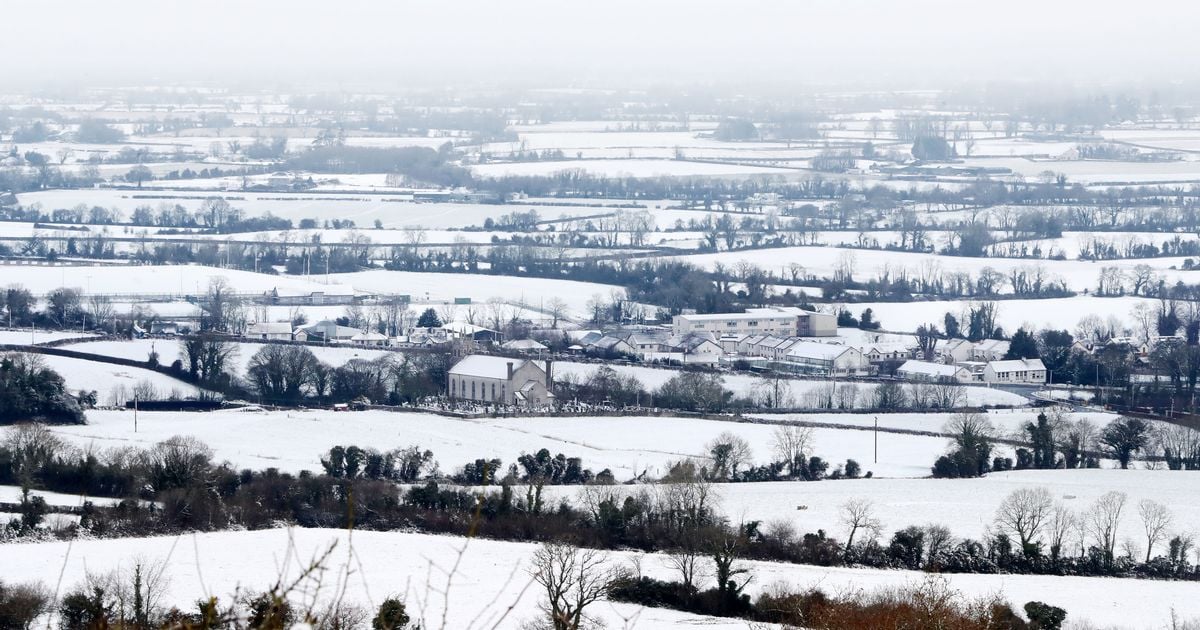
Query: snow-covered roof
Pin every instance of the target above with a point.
(929, 369)
(484, 366)
(992, 345)
(1017, 365)
(269, 328)
(816, 350)
(523, 344)
(369, 336)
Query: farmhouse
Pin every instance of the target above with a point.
(1020, 371)
(369, 338)
(500, 380)
(781, 321)
(271, 331)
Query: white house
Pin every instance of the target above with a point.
(954, 350)
(330, 332)
(884, 351)
(1019, 371)
(524, 345)
(933, 372)
(989, 350)
(275, 331)
(501, 380)
(369, 338)
(826, 358)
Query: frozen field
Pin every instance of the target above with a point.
(492, 577)
(295, 440)
(744, 385)
(12, 494)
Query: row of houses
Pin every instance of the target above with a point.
(801, 355)
(655, 346)
(329, 331)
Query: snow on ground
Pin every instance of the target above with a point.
(103, 378)
(12, 494)
(158, 279)
(626, 168)
(30, 336)
(363, 208)
(170, 349)
(295, 440)
(1007, 421)
(822, 261)
(535, 293)
(492, 576)
(1057, 313)
(803, 391)
(966, 506)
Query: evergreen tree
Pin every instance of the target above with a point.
(429, 319)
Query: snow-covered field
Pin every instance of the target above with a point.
(966, 506)
(155, 279)
(31, 336)
(295, 440)
(103, 378)
(1057, 313)
(627, 168)
(822, 261)
(12, 494)
(534, 293)
(170, 349)
(492, 577)
(363, 209)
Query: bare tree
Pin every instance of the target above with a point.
(1156, 518)
(100, 309)
(729, 452)
(859, 515)
(1023, 512)
(571, 579)
(791, 444)
(687, 562)
(1102, 520)
(557, 309)
(1061, 523)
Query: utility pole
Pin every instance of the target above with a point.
(876, 439)
(135, 411)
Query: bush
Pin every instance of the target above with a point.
(21, 604)
(391, 615)
(1044, 616)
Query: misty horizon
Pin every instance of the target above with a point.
(715, 43)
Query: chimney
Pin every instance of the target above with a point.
(510, 370)
(549, 374)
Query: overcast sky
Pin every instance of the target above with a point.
(600, 42)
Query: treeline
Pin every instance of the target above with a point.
(679, 515)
